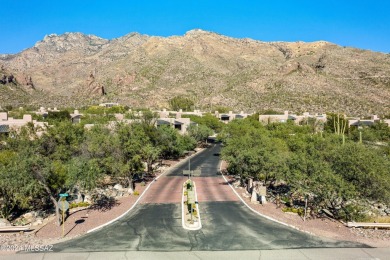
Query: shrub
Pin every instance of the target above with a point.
(299, 211)
(179, 102)
(352, 213)
(79, 204)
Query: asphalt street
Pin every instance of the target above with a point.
(206, 161)
(226, 225)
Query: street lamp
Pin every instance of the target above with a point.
(188, 172)
(189, 165)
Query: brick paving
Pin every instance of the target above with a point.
(164, 190)
(169, 190)
(213, 189)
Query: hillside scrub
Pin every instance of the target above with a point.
(211, 72)
(329, 174)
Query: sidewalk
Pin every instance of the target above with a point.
(291, 254)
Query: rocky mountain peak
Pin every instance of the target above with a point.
(213, 69)
(131, 39)
(197, 31)
(200, 33)
(70, 41)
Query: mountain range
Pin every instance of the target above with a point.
(215, 71)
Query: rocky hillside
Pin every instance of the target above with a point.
(74, 69)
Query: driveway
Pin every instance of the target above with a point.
(227, 224)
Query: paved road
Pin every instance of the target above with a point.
(227, 224)
(207, 161)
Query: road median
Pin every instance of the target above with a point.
(190, 207)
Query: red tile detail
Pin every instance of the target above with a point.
(169, 190)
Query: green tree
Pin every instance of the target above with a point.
(310, 176)
(100, 145)
(45, 158)
(180, 102)
(316, 168)
(379, 132)
(62, 141)
(250, 151)
(84, 173)
(130, 139)
(185, 143)
(208, 120)
(150, 154)
(95, 110)
(199, 132)
(366, 169)
(212, 122)
(172, 144)
(17, 188)
(116, 110)
(58, 116)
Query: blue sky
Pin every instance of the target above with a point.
(358, 23)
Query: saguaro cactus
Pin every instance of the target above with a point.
(340, 126)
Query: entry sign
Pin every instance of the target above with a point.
(196, 173)
(63, 204)
(263, 191)
(190, 197)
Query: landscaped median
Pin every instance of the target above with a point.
(190, 207)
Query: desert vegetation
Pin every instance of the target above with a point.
(331, 171)
(35, 169)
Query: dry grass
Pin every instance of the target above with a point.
(383, 219)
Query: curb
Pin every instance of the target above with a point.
(139, 198)
(258, 213)
(197, 209)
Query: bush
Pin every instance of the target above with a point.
(57, 116)
(299, 211)
(352, 212)
(79, 204)
(180, 102)
(96, 110)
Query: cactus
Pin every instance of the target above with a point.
(340, 126)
